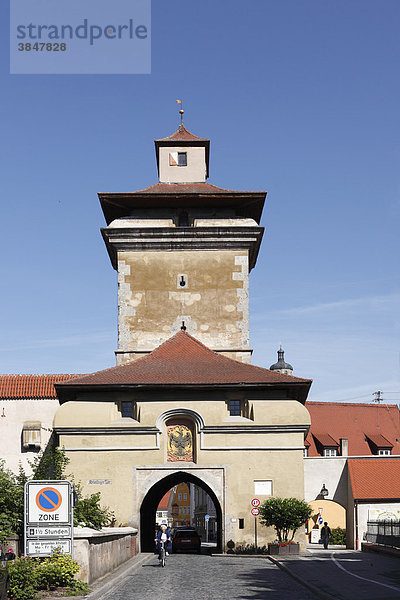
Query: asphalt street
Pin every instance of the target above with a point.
(209, 578)
(348, 575)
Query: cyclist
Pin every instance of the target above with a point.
(163, 536)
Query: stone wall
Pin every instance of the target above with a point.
(100, 552)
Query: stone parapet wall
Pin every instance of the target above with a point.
(100, 552)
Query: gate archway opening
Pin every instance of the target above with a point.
(152, 499)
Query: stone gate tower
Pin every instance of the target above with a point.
(183, 249)
(177, 408)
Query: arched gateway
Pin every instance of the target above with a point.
(184, 402)
(156, 492)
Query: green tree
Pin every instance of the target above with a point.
(51, 464)
(11, 501)
(286, 515)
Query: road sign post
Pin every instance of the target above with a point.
(255, 511)
(48, 519)
(206, 519)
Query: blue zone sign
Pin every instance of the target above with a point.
(48, 517)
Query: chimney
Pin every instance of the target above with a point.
(344, 446)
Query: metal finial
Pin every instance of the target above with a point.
(181, 110)
(183, 326)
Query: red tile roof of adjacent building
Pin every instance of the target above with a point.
(163, 504)
(373, 479)
(182, 135)
(183, 360)
(325, 439)
(19, 387)
(355, 422)
(379, 440)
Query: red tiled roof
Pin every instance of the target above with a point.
(325, 439)
(377, 478)
(183, 360)
(182, 195)
(163, 504)
(182, 135)
(200, 187)
(354, 422)
(13, 387)
(379, 440)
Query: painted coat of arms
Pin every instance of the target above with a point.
(180, 443)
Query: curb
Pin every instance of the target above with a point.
(112, 580)
(226, 555)
(309, 586)
(380, 549)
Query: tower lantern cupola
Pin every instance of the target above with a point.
(182, 157)
(281, 366)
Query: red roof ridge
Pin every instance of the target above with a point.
(39, 374)
(219, 355)
(158, 359)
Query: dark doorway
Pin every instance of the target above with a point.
(152, 499)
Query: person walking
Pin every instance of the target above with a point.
(163, 535)
(325, 535)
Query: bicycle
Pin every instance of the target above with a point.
(162, 553)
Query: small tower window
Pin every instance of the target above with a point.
(235, 408)
(183, 219)
(127, 409)
(182, 159)
(178, 159)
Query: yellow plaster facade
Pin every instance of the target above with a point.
(104, 447)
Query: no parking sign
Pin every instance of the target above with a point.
(48, 502)
(48, 517)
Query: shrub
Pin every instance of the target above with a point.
(56, 571)
(23, 580)
(285, 515)
(89, 512)
(78, 588)
(338, 536)
(250, 549)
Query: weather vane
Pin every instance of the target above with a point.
(181, 111)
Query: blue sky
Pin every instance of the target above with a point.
(300, 99)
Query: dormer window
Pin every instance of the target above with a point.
(178, 159)
(384, 452)
(379, 445)
(325, 444)
(330, 451)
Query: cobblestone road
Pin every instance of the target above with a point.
(203, 577)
